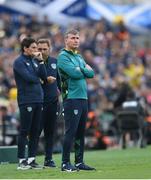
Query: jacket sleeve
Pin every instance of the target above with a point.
(42, 73)
(87, 73)
(58, 81)
(69, 68)
(21, 69)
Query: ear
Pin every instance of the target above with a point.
(50, 49)
(25, 49)
(66, 40)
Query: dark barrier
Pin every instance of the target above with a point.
(8, 154)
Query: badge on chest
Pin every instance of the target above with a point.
(53, 65)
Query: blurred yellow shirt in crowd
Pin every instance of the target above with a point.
(134, 72)
(13, 93)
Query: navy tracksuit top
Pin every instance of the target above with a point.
(50, 90)
(28, 72)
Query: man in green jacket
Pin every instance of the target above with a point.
(73, 71)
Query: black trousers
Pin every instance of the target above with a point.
(75, 115)
(48, 124)
(30, 117)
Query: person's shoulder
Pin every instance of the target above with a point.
(62, 56)
(62, 52)
(80, 55)
(52, 59)
(19, 60)
(20, 57)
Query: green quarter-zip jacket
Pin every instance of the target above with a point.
(73, 74)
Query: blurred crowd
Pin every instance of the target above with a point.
(118, 62)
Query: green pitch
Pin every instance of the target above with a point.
(116, 164)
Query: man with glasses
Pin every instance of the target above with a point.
(50, 104)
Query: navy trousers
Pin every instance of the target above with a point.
(48, 124)
(30, 117)
(75, 115)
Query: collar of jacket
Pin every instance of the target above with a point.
(71, 51)
(26, 57)
(47, 60)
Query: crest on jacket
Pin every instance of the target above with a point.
(76, 111)
(29, 109)
(53, 65)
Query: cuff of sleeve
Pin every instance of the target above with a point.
(83, 70)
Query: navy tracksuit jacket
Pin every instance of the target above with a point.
(50, 104)
(28, 72)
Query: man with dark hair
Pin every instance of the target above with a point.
(74, 71)
(50, 104)
(29, 72)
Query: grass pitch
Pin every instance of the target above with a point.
(132, 163)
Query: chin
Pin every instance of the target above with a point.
(75, 47)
